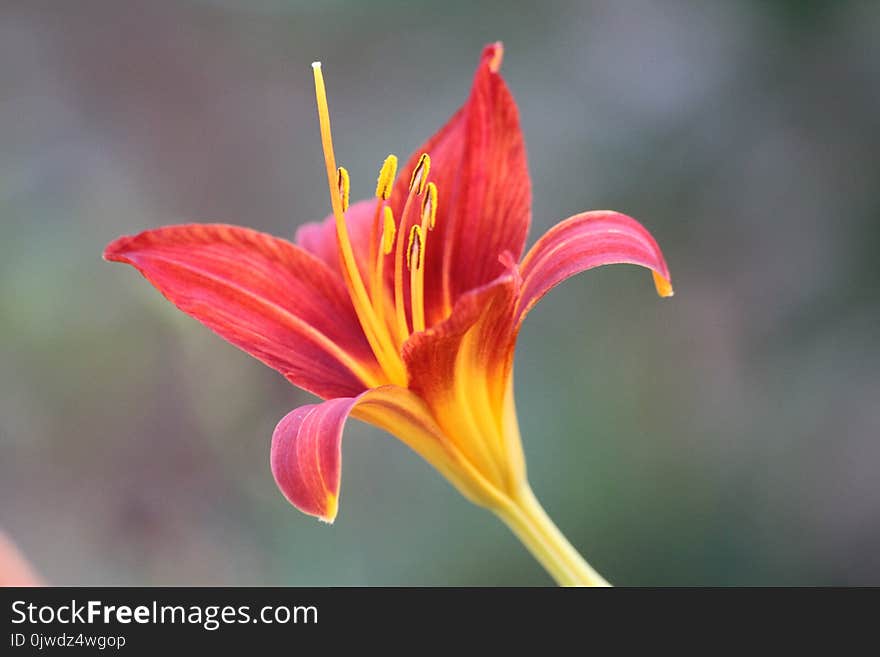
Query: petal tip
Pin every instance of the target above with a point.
(330, 510)
(111, 251)
(494, 52)
(663, 285)
(118, 249)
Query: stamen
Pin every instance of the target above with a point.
(429, 207)
(384, 185)
(343, 183)
(416, 260)
(377, 279)
(414, 248)
(386, 178)
(376, 333)
(375, 237)
(420, 173)
(399, 306)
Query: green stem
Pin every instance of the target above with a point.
(531, 524)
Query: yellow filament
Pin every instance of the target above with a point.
(375, 289)
(386, 177)
(343, 184)
(375, 332)
(388, 232)
(377, 274)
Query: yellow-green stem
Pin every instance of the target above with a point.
(531, 524)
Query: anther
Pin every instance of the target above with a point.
(343, 183)
(429, 206)
(414, 248)
(420, 174)
(386, 178)
(388, 231)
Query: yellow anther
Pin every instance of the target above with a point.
(429, 206)
(343, 183)
(414, 248)
(420, 174)
(386, 178)
(415, 261)
(388, 231)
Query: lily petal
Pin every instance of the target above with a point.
(262, 294)
(319, 237)
(306, 456)
(585, 241)
(478, 161)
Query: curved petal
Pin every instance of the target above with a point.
(478, 161)
(585, 241)
(306, 455)
(461, 367)
(262, 294)
(319, 237)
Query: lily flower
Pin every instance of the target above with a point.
(403, 310)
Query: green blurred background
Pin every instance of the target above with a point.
(730, 435)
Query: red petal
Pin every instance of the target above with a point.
(319, 237)
(262, 294)
(478, 162)
(585, 241)
(306, 454)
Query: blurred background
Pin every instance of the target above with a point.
(730, 435)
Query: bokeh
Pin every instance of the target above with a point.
(727, 436)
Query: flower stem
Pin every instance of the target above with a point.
(531, 524)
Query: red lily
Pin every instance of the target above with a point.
(403, 310)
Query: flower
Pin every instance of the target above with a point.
(402, 310)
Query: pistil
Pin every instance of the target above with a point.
(376, 332)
